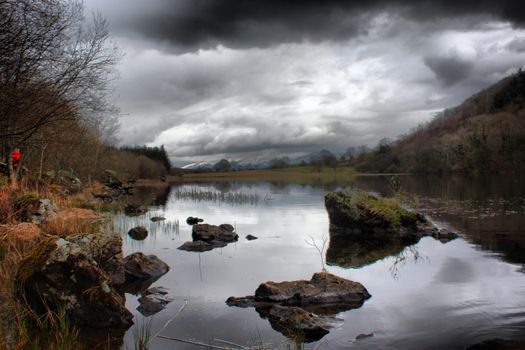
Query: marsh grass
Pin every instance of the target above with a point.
(142, 334)
(232, 197)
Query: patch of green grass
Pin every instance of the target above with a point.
(375, 211)
(387, 209)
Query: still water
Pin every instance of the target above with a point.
(431, 295)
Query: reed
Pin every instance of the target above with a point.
(233, 197)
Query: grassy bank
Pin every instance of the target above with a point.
(20, 328)
(301, 175)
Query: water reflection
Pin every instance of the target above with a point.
(477, 294)
(354, 251)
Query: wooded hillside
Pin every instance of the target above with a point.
(484, 134)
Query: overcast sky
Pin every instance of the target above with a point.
(252, 79)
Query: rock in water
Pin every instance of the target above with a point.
(207, 237)
(227, 227)
(153, 300)
(138, 233)
(208, 233)
(299, 307)
(138, 266)
(78, 273)
(193, 220)
(157, 218)
(251, 237)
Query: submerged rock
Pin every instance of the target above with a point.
(293, 321)
(297, 305)
(138, 233)
(78, 273)
(201, 246)
(153, 300)
(193, 220)
(251, 237)
(158, 218)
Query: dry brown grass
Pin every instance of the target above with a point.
(18, 240)
(72, 221)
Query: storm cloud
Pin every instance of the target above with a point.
(258, 79)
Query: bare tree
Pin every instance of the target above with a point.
(54, 67)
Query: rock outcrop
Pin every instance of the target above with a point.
(78, 273)
(360, 213)
(86, 275)
(365, 228)
(304, 306)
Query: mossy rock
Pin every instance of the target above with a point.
(78, 274)
(365, 213)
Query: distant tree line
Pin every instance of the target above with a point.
(154, 153)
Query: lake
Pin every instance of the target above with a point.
(428, 295)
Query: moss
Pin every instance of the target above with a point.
(34, 260)
(372, 210)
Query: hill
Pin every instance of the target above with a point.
(486, 133)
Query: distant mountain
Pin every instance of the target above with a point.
(198, 166)
(251, 164)
(486, 133)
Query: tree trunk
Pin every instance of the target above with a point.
(12, 172)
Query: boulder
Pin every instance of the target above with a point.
(153, 300)
(138, 266)
(134, 210)
(69, 183)
(31, 208)
(78, 273)
(208, 233)
(138, 233)
(193, 220)
(301, 307)
(356, 212)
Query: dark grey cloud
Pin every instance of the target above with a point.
(450, 69)
(259, 79)
(198, 24)
(517, 44)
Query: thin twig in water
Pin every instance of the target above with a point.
(171, 319)
(313, 243)
(230, 343)
(195, 343)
